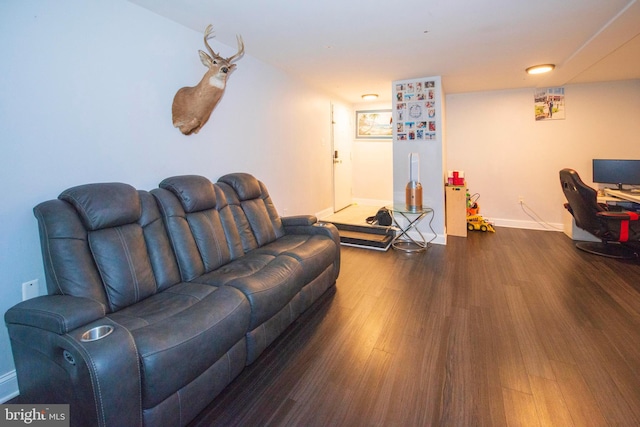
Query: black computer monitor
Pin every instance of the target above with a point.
(619, 172)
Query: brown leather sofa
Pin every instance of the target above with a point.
(158, 300)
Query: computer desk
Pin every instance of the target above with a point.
(624, 195)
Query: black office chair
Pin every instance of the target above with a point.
(616, 229)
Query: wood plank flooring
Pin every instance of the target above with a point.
(513, 328)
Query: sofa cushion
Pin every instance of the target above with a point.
(122, 260)
(202, 240)
(104, 205)
(180, 334)
(244, 266)
(268, 285)
(255, 215)
(161, 256)
(105, 242)
(162, 306)
(314, 252)
(68, 263)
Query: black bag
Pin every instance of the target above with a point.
(382, 217)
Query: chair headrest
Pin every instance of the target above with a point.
(196, 193)
(104, 205)
(246, 186)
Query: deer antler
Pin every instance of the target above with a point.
(240, 50)
(208, 32)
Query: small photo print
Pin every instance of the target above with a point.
(549, 104)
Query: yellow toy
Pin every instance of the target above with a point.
(477, 222)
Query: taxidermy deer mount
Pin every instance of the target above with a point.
(192, 106)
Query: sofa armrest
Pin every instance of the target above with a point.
(55, 313)
(308, 224)
(289, 221)
(55, 363)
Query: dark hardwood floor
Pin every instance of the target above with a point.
(512, 328)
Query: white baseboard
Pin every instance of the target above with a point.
(528, 225)
(8, 386)
(439, 239)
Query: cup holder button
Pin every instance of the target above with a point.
(96, 333)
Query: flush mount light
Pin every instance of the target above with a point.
(539, 69)
(370, 96)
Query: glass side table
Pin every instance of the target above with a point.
(403, 240)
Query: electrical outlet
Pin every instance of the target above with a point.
(520, 199)
(30, 289)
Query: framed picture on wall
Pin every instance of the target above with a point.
(373, 124)
(549, 103)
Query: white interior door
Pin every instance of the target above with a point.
(342, 168)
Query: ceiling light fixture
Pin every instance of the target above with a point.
(370, 96)
(539, 69)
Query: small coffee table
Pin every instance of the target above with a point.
(403, 240)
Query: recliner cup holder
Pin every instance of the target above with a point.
(96, 333)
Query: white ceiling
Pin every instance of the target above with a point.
(353, 47)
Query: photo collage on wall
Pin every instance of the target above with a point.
(416, 111)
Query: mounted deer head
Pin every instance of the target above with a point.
(192, 106)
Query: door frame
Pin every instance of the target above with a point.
(349, 142)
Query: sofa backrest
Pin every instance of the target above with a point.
(105, 242)
(199, 222)
(212, 224)
(252, 209)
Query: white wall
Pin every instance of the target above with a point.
(86, 97)
(431, 153)
(372, 165)
(505, 153)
